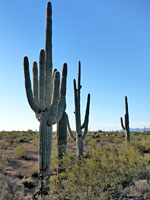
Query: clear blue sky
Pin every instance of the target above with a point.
(110, 38)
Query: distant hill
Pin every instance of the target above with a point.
(138, 129)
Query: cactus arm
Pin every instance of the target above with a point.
(29, 94)
(55, 92)
(41, 80)
(86, 121)
(54, 102)
(122, 125)
(62, 94)
(60, 110)
(63, 81)
(35, 81)
(48, 56)
(58, 104)
(69, 129)
(35, 86)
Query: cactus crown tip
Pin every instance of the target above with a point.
(25, 57)
(64, 69)
(25, 60)
(49, 6)
(65, 64)
(42, 51)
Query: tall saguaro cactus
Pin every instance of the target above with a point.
(45, 100)
(80, 134)
(125, 126)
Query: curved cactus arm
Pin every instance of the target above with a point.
(69, 129)
(29, 94)
(48, 56)
(86, 121)
(35, 81)
(41, 80)
(52, 112)
(62, 94)
(122, 125)
(60, 110)
(58, 102)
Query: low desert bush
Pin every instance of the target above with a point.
(104, 175)
(20, 151)
(9, 189)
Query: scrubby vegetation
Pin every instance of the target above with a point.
(109, 169)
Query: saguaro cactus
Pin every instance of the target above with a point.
(125, 126)
(45, 100)
(62, 134)
(80, 135)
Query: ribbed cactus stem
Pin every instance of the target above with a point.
(35, 81)
(29, 93)
(125, 125)
(62, 136)
(48, 55)
(86, 120)
(41, 80)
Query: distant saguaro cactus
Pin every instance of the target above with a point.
(45, 100)
(80, 135)
(125, 126)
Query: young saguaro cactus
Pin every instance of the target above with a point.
(80, 134)
(125, 126)
(45, 100)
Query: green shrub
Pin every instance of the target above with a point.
(20, 151)
(105, 174)
(3, 161)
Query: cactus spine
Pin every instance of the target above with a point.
(125, 126)
(45, 100)
(80, 135)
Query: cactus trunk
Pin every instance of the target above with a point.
(79, 146)
(61, 140)
(43, 130)
(62, 136)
